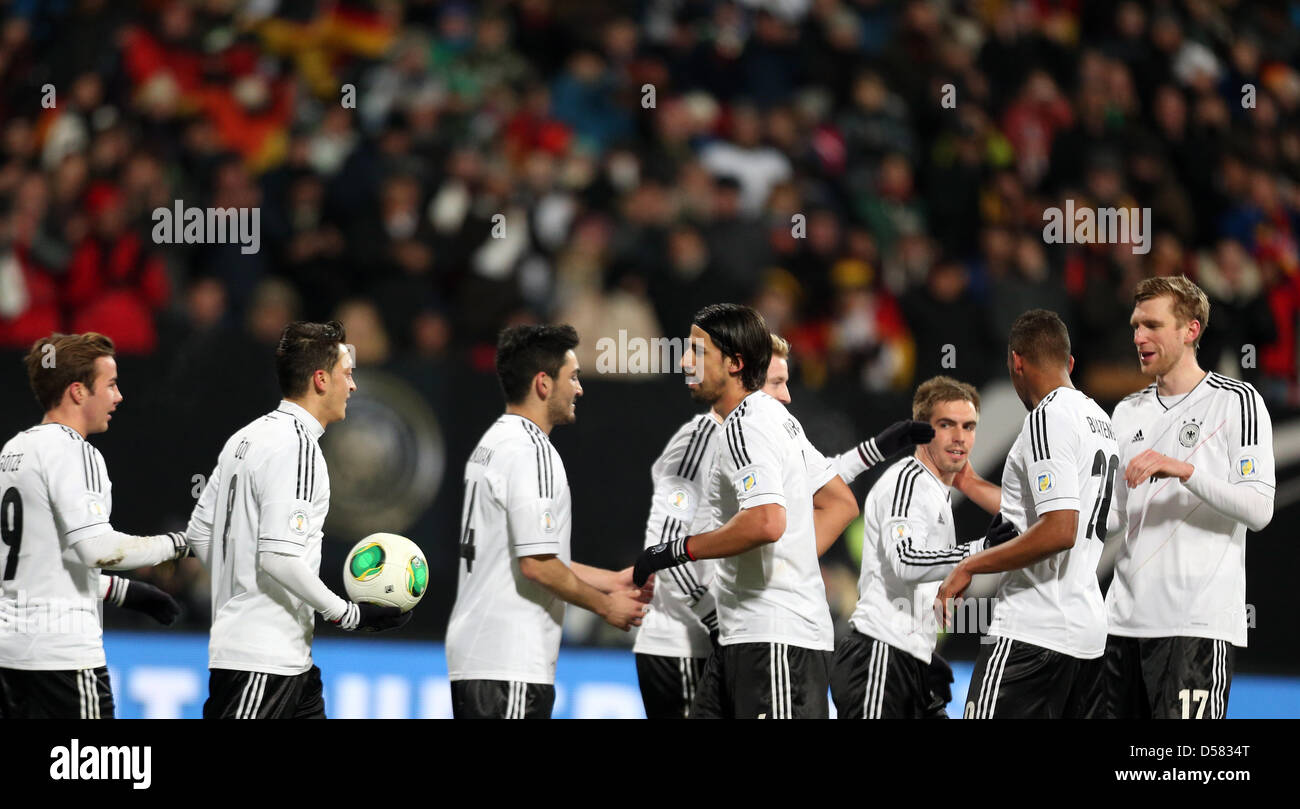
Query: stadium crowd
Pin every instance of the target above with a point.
(648, 158)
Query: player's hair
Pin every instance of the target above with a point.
(1040, 337)
(780, 347)
(938, 389)
(1189, 300)
(72, 359)
(739, 332)
(304, 349)
(525, 351)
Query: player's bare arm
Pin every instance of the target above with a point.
(621, 609)
(1054, 532)
(612, 581)
(985, 494)
(834, 507)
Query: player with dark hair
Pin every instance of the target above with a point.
(258, 528)
(503, 638)
(1049, 619)
(55, 504)
(1197, 453)
(775, 634)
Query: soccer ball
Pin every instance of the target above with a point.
(386, 569)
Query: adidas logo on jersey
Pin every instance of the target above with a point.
(1137, 437)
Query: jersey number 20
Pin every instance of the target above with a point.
(1105, 470)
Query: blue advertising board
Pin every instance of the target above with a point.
(164, 676)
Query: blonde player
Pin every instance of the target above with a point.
(1196, 454)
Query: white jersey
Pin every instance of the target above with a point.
(1181, 570)
(909, 546)
(1065, 458)
(773, 593)
(504, 626)
(270, 491)
(54, 493)
(682, 611)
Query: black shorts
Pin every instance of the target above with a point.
(1167, 678)
(764, 681)
(501, 699)
(255, 695)
(872, 680)
(668, 684)
(1018, 680)
(66, 694)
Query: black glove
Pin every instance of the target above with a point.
(1000, 531)
(143, 597)
(658, 557)
(372, 618)
(897, 437)
(939, 679)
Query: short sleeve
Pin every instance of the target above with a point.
(533, 511)
(1251, 453)
(820, 468)
(77, 481)
(1053, 466)
(751, 465)
(283, 489)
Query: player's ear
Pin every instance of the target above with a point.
(1070, 366)
(542, 385)
(321, 380)
(1193, 330)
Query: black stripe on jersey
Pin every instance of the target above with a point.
(903, 489)
(731, 447)
(1148, 389)
(1038, 424)
(685, 462)
(740, 443)
(85, 466)
(545, 469)
(1033, 435)
(311, 476)
(909, 555)
(693, 465)
(1246, 397)
(300, 491)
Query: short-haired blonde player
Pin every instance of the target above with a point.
(1196, 450)
(55, 503)
(882, 668)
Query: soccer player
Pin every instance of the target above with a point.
(851, 463)
(1049, 619)
(503, 638)
(1196, 450)
(258, 528)
(676, 637)
(55, 504)
(882, 668)
(774, 624)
